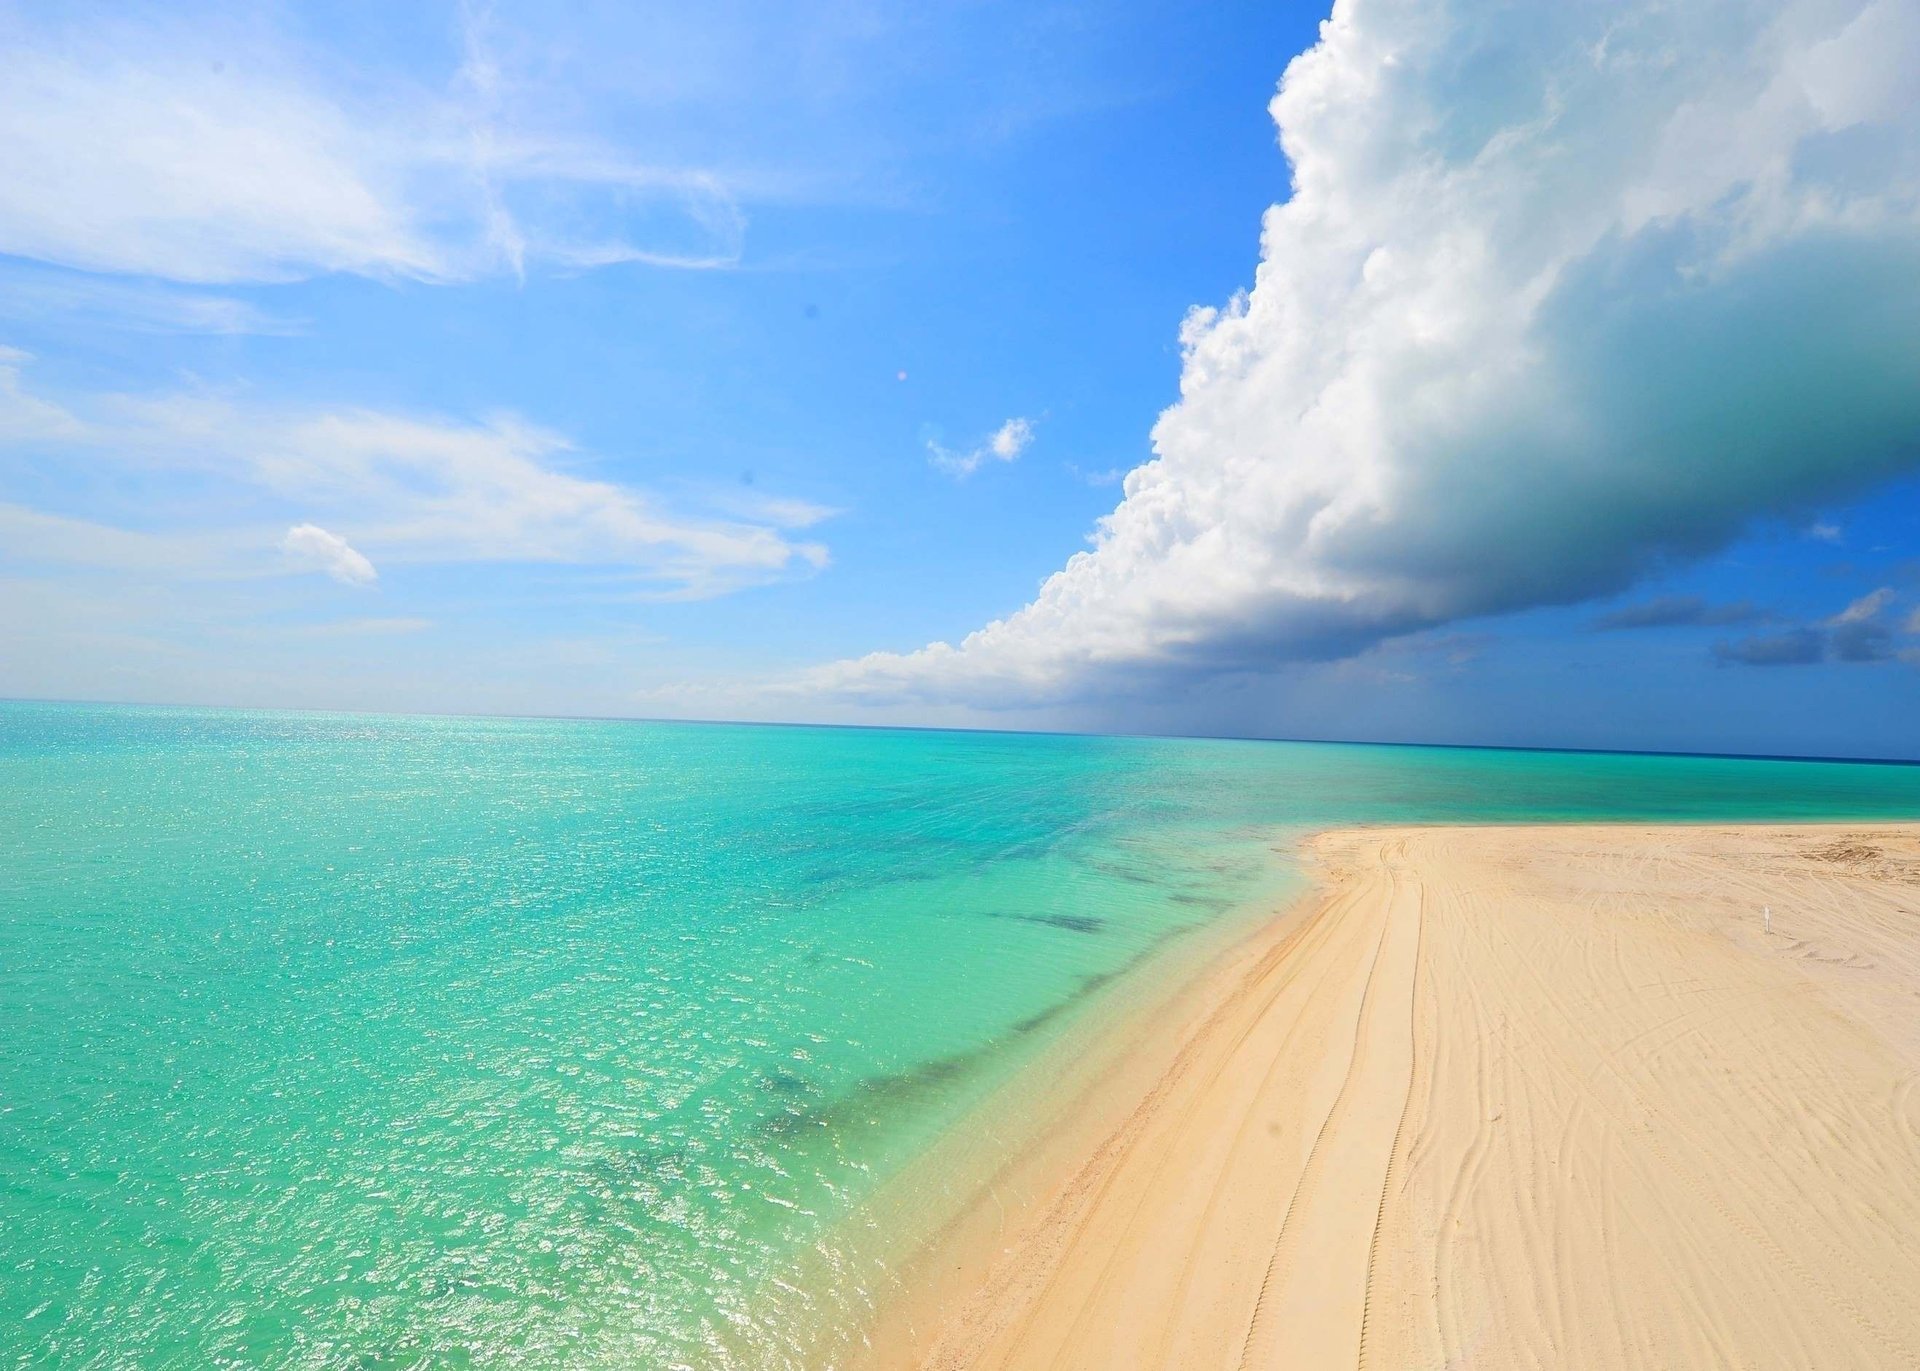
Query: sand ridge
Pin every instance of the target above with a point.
(1524, 1096)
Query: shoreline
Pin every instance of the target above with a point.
(929, 1234)
(1418, 1114)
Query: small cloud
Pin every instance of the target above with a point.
(1866, 642)
(1865, 609)
(1112, 476)
(1011, 439)
(1858, 633)
(777, 511)
(1004, 444)
(1680, 611)
(309, 547)
(1825, 532)
(1912, 625)
(1799, 647)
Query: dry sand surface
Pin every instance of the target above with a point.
(1542, 1097)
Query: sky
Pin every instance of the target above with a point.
(1427, 370)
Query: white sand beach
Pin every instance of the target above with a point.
(1498, 1097)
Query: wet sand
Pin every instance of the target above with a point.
(1519, 1096)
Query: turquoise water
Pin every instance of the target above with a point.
(348, 1041)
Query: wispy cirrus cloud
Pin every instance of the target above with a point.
(364, 487)
(208, 151)
(32, 293)
(24, 416)
(36, 541)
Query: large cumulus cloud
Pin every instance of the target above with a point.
(1563, 293)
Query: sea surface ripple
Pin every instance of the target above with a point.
(341, 1041)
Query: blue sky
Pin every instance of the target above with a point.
(719, 360)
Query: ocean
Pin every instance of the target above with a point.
(352, 1041)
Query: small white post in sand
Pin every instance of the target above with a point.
(1767, 914)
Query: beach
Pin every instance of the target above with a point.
(565, 1043)
(1491, 1096)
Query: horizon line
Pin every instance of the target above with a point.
(963, 728)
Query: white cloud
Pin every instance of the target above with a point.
(413, 489)
(778, 510)
(25, 417)
(36, 539)
(1865, 609)
(206, 152)
(1563, 293)
(139, 306)
(1004, 444)
(1109, 476)
(1825, 532)
(1860, 633)
(308, 547)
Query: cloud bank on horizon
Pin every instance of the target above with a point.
(1563, 295)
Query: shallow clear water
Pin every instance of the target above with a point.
(349, 1041)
